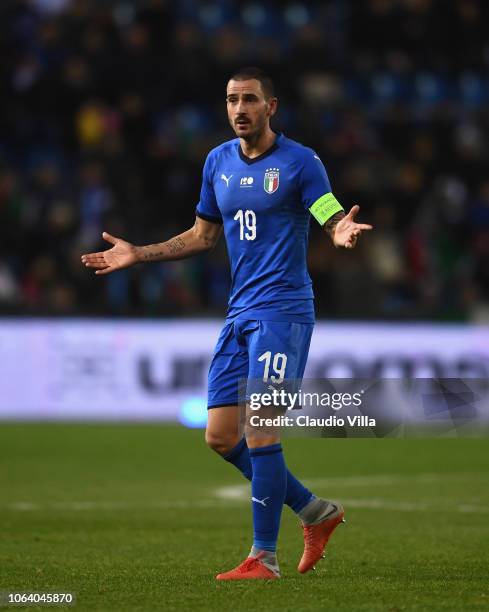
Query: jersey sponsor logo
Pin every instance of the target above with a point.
(246, 181)
(226, 179)
(271, 180)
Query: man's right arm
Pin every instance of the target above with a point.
(203, 236)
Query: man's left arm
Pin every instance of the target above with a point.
(318, 198)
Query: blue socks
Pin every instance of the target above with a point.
(296, 495)
(240, 457)
(268, 487)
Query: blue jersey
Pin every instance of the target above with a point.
(264, 205)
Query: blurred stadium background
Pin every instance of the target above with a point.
(109, 108)
(107, 111)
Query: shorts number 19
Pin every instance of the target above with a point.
(278, 365)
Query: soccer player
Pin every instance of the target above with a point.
(261, 188)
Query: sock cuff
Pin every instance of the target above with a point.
(236, 451)
(265, 545)
(266, 450)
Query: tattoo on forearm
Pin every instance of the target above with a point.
(332, 223)
(175, 245)
(150, 252)
(150, 255)
(154, 252)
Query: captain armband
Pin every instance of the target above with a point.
(325, 207)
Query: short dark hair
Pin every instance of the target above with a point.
(252, 72)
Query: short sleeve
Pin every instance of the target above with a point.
(207, 208)
(315, 187)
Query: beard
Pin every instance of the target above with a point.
(248, 132)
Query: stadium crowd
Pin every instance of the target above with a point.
(108, 109)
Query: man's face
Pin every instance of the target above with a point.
(248, 110)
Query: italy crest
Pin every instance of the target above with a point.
(271, 180)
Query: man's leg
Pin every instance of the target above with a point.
(264, 465)
(229, 365)
(319, 517)
(268, 489)
(260, 460)
(224, 434)
(277, 353)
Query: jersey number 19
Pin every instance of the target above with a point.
(247, 221)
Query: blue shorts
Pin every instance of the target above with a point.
(256, 350)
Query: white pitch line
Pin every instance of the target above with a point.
(385, 504)
(390, 479)
(471, 508)
(230, 495)
(80, 506)
(236, 491)
(240, 497)
(241, 492)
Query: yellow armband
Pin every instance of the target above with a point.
(325, 207)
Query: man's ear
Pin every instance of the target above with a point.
(272, 106)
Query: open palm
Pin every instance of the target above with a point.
(121, 255)
(347, 230)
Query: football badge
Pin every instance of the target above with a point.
(271, 180)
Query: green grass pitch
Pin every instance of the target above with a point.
(142, 517)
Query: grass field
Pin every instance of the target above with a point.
(143, 517)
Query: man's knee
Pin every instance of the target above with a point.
(221, 442)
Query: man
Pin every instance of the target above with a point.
(261, 188)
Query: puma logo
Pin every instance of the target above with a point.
(226, 179)
(260, 501)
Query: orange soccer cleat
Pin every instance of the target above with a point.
(316, 537)
(251, 569)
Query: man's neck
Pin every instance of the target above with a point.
(261, 143)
